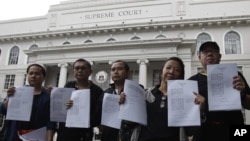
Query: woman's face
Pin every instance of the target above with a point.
(171, 71)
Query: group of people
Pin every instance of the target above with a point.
(215, 125)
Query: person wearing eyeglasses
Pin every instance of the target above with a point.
(217, 124)
(82, 70)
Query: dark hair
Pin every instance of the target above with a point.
(126, 66)
(209, 44)
(82, 60)
(180, 63)
(37, 65)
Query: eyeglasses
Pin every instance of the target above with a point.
(163, 101)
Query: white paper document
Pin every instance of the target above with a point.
(79, 114)
(35, 135)
(110, 111)
(20, 104)
(182, 111)
(221, 94)
(134, 108)
(58, 99)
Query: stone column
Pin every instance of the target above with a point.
(45, 67)
(143, 71)
(188, 68)
(92, 64)
(63, 74)
(110, 77)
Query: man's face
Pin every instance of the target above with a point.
(35, 76)
(81, 70)
(118, 72)
(209, 56)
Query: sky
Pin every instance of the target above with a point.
(15, 9)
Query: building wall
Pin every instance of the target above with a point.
(23, 26)
(76, 21)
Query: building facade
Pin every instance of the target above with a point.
(142, 32)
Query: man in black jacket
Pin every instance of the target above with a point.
(82, 70)
(217, 124)
(119, 72)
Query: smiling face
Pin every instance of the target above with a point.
(35, 76)
(209, 56)
(172, 70)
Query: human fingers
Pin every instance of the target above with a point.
(238, 83)
(69, 104)
(165, 79)
(49, 88)
(195, 93)
(196, 99)
(199, 99)
(5, 104)
(11, 91)
(122, 98)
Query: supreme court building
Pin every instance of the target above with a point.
(142, 32)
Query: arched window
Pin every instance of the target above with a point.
(160, 36)
(232, 43)
(201, 38)
(111, 40)
(88, 41)
(14, 54)
(34, 46)
(135, 38)
(66, 43)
